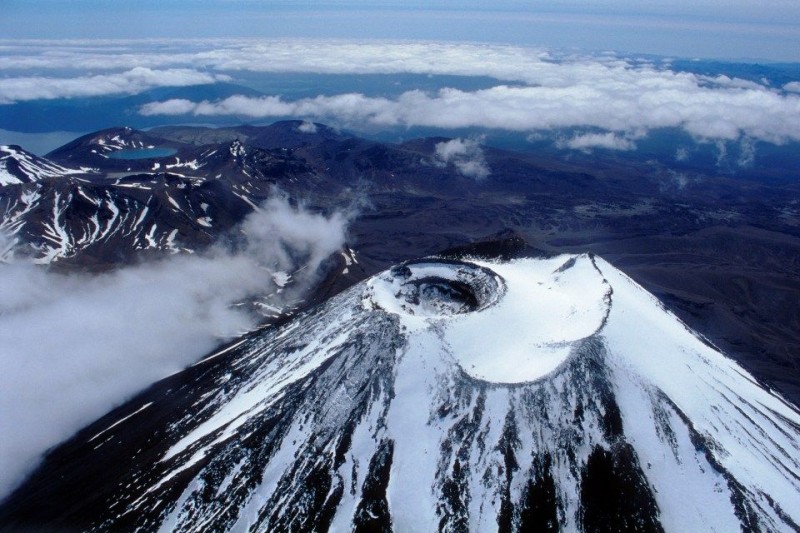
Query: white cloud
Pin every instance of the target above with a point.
(674, 181)
(608, 141)
(175, 106)
(504, 62)
(509, 63)
(466, 155)
(747, 152)
(73, 347)
(792, 86)
(135, 80)
(623, 105)
(307, 127)
(101, 54)
(722, 153)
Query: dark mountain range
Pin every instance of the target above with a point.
(536, 394)
(722, 252)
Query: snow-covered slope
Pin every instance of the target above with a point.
(123, 208)
(100, 219)
(532, 395)
(19, 166)
(176, 205)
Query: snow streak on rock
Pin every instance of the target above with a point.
(60, 221)
(132, 209)
(538, 394)
(19, 166)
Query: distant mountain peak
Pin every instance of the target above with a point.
(100, 148)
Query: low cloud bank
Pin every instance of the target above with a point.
(466, 155)
(628, 105)
(589, 141)
(131, 81)
(73, 347)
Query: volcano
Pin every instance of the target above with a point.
(546, 393)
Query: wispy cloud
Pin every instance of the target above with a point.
(792, 86)
(682, 154)
(465, 155)
(307, 127)
(72, 347)
(589, 141)
(673, 181)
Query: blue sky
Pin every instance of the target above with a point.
(768, 30)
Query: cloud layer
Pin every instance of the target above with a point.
(536, 89)
(743, 28)
(133, 81)
(628, 103)
(73, 347)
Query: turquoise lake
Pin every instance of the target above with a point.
(143, 153)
